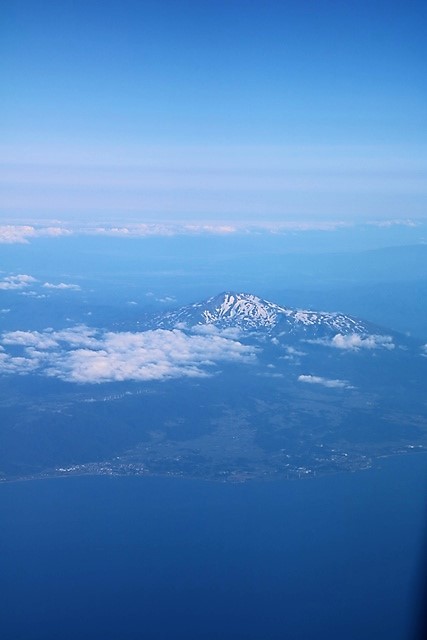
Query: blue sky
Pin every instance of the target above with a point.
(214, 110)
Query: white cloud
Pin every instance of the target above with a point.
(234, 333)
(325, 382)
(30, 339)
(15, 234)
(18, 365)
(166, 299)
(269, 374)
(24, 233)
(20, 234)
(19, 281)
(74, 337)
(32, 294)
(22, 281)
(62, 285)
(291, 351)
(356, 341)
(405, 222)
(292, 355)
(85, 355)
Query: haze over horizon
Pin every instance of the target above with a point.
(214, 111)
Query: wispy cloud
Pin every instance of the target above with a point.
(32, 294)
(398, 222)
(294, 352)
(325, 382)
(62, 285)
(293, 356)
(85, 355)
(234, 333)
(166, 299)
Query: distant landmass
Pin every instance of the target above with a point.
(228, 389)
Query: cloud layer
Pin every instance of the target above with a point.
(85, 355)
(24, 233)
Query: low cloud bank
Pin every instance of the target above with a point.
(85, 355)
(24, 233)
(21, 234)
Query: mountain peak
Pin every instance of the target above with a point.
(244, 309)
(249, 312)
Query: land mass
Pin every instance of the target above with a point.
(302, 394)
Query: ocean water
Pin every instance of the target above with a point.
(154, 558)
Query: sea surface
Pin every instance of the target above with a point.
(153, 558)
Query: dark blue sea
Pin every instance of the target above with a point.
(338, 557)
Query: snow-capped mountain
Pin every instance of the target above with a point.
(248, 312)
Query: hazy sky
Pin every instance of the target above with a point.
(214, 110)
